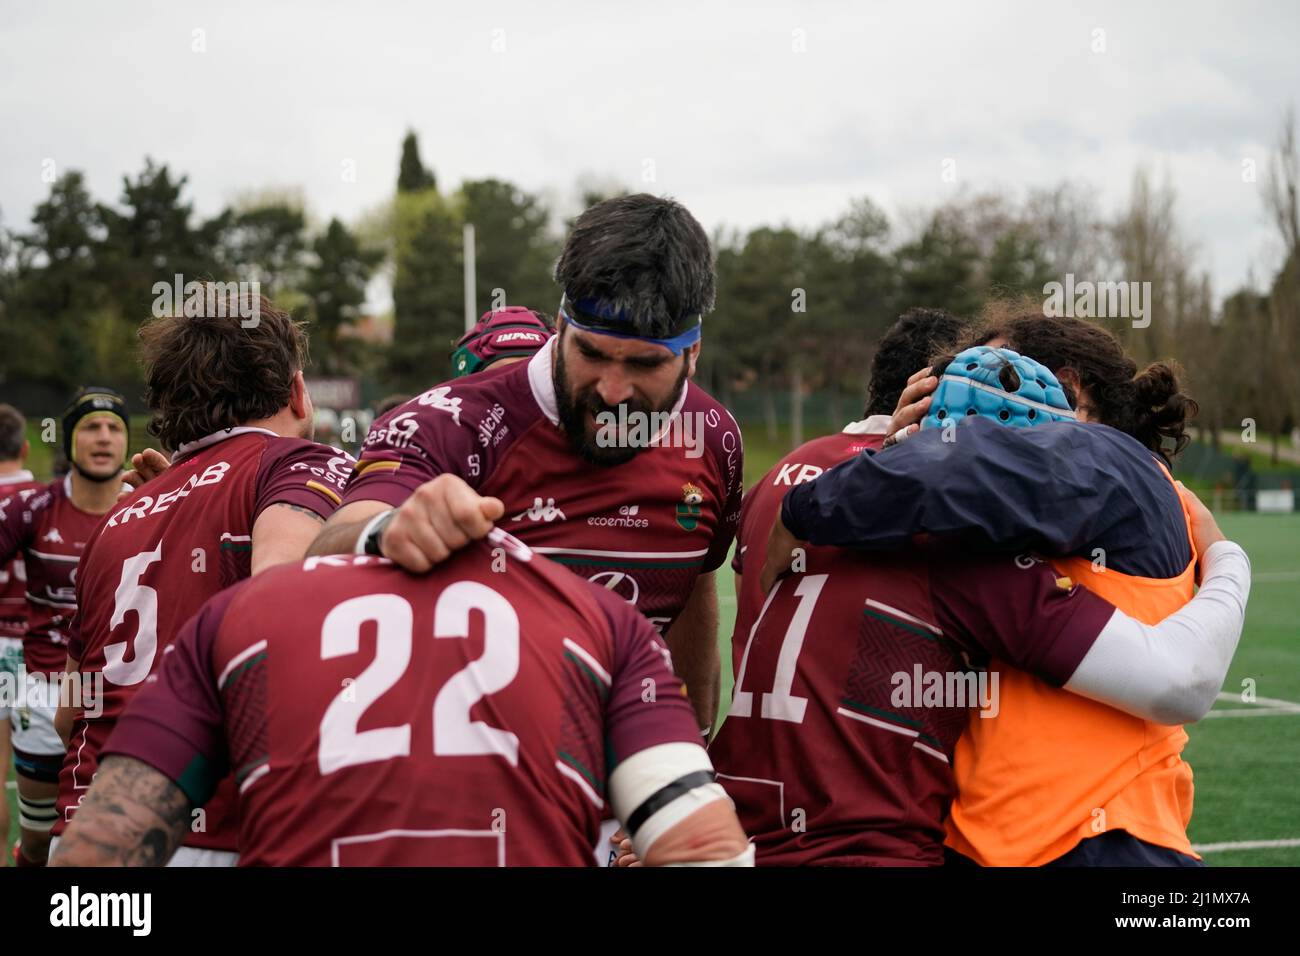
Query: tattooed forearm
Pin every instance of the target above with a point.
(132, 816)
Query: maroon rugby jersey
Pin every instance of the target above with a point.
(467, 717)
(160, 554)
(13, 576)
(837, 746)
(49, 533)
(644, 529)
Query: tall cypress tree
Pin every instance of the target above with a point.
(412, 177)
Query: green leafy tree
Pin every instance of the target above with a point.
(54, 289)
(513, 251)
(938, 269)
(427, 290)
(263, 244)
(335, 286)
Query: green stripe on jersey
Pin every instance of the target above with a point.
(892, 718)
(594, 677)
(242, 669)
(572, 761)
(249, 767)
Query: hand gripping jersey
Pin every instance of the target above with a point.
(50, 534)
(472, 716)
(644, 529)
(855, 678)
(13, 577)
(159, 555)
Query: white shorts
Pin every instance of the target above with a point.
(188, 856)
(12, 673)
(606, 851)
(32, 719)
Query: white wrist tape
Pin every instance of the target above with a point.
(744, 858)
(654, 790)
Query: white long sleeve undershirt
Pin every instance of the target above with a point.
(1171, 672)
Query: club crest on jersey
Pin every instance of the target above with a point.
(688, 512)
(440, 398)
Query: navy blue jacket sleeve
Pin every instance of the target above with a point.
(1061, 489)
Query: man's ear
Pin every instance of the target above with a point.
(692, 356)
(26, 450)
(298, 401)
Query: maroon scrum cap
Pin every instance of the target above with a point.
(510, 332)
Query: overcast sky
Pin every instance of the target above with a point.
(737, 122)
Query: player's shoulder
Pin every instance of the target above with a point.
(304, 454)
(717, 418)
(722, 435)
(465, 401)
(815, 456)
(47, 496)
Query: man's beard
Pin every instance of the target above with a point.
(573, 416)
(97, 479)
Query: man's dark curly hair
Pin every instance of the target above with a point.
(642, 255)
(204, 374)
(905, 349)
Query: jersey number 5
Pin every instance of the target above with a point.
(131, 595)
(454, 734)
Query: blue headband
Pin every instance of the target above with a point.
(606, 321)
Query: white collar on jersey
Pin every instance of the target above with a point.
(541, 379)
(16, 477)
(872, 425)
(190, 447)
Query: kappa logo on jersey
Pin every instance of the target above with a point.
(689, 511)
(53, 537)
(540, 511)
(440, 398)
(620, 582)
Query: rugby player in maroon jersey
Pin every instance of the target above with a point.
(489, 713)
(649, 515)
(246, 489)
(50, 530)
(14, 480)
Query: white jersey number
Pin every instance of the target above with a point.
(454, 734)
(131, 595)
(780, 703)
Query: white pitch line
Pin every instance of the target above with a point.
(1244, 845)
(1256, 712)
(1274, 577)
(11, 784)
(1261, 701)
